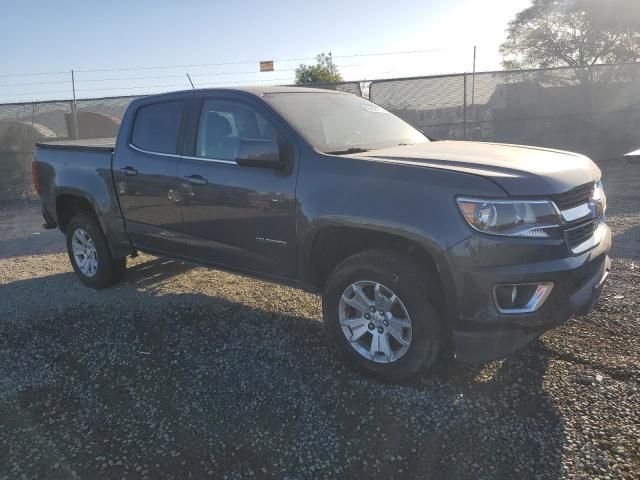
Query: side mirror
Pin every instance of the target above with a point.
(260, 153)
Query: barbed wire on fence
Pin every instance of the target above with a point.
(84, 81)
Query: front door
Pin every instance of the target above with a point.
(146, 176)
(241, 217)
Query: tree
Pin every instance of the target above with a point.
(324, 71)
(574, 33)
(17, 142)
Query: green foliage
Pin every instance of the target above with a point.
(574, 33)
(324, 71)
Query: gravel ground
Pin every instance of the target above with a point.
(185, 372)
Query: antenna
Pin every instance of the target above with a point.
(192, 86)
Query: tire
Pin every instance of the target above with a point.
(417, 290)
(84, 230)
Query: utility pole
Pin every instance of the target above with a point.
(74, 107)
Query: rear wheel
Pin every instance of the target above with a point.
(380, 313)
(90, 255)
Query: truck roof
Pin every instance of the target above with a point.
(258, 91)
(261, 90)
(108, 144)
(286, 89)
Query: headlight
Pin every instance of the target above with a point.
(516, 218)
(599, 198)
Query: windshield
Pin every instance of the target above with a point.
(341, 123)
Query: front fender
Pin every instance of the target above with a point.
(405, 232)
(414, 203)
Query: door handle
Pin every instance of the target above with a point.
(129, 171)
(197, 180)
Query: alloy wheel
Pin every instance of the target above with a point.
(375, 321)
(84, 252)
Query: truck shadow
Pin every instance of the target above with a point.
(192, 383)
(626, 244)
(475, 421)
(155, 272)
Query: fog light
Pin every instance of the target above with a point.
(521, 297)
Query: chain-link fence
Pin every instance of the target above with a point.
(594, 110)
(24, 124)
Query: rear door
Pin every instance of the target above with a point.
(146, 175)
(239, 216)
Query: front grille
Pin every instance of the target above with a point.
(581, 233)
(574, 197)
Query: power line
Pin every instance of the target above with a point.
(247, 62)
(121, 79)
(257, 72)
(154, 77)
(33, 74)
(230, 83)
(233, 82)
(196, 65)
(406, 52)
(34, 83)
(200, 75)
(35, 93)
(244, 62)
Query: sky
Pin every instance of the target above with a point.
(131, 47)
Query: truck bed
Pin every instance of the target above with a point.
(102, 144)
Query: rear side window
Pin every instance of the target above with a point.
(156, 127)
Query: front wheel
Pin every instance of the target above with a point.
(379, 310)
(90, 255)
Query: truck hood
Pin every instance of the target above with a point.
(519, 170)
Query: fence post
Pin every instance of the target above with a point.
(593, 138)
(473, 83)
(74, 110)
(464, 107)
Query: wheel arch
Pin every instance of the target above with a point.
(70, 202)
(332, 242)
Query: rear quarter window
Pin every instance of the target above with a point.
(156, 126)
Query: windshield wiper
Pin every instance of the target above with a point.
(347, 151)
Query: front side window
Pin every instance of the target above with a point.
(156, 127)
(337, 122)
(224, 124)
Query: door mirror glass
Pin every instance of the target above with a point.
(259, 153)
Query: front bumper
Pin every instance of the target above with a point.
(482, 333)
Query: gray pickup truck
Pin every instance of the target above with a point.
(417, 246)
